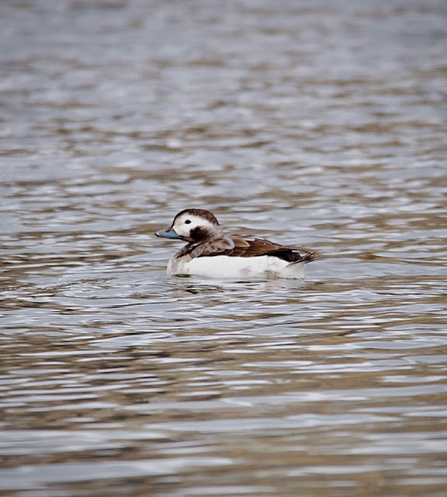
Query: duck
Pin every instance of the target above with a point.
(209, 253)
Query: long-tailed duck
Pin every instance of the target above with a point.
(211, 254)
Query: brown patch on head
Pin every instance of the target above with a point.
(200, 234)
(201, 213)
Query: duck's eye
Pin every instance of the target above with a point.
(188, 221)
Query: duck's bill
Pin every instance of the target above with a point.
(169, 233)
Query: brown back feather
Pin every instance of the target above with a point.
(256, 247)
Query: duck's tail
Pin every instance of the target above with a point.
(308, 256)
(296, 269)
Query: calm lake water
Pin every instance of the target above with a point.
(318, 124)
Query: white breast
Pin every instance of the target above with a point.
(238, 268)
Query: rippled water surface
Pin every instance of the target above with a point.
(321, 124)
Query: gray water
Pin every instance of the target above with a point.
(318, 124)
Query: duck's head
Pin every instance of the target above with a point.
(193, 226)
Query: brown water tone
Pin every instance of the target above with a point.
(318, 123)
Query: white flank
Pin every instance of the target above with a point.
(239, 268)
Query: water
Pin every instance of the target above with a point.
(321, 125)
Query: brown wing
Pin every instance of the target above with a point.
(255, 247)
(210, 248)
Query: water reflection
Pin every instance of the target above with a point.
(317, 125)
